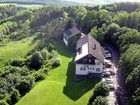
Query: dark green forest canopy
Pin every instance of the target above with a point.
(117, 23)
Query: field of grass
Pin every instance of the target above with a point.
(60, 87)
(16, 49)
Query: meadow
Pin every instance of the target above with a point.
(15, 50)
(60, 87)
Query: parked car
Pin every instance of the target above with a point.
(108, 55)
(109, 81)
(108, 63)
(112, 72)
(111, 86)
(106, 74)
(106, 51)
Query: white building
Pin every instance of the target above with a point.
(89, 59)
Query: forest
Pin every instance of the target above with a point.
(118, 24)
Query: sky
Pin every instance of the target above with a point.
(101, 1)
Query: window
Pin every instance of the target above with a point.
(79, 51)
(97, 69)
(82, 68)
(89, 60)
(98, 63)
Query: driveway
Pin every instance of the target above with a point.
(118, 79)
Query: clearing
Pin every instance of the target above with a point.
(60, 88)
(16, 49)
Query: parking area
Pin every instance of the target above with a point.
(109, 75)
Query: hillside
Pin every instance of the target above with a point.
(36, 68)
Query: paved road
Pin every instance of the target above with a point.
(118, 79)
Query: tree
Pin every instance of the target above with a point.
(3, 103)
(136, 97)
(100, 101)
(97, 33)
(25, 85)
(101, 89)
(15, 96)
(45, 54)
(36, 60)
(71, 23)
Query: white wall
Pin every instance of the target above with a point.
(65, 41)
(84, 52)
(88, 68)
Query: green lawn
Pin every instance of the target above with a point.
(60, 88)
(16, 49)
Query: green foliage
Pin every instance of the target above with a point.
(130, 59)
(25, 85)
(51, 47)
(123, 6)
(100, 101)
(36, 60)
(101, 89)
(45, 54)
(54, 54)
(39, 76)
(55, 62)
(133, 79)
(3, 103)
(136, 97)
(71, 23)
(97, 33)
(17, 62)
(15, 96)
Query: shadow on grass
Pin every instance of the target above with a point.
(76, 89)
(62, 49)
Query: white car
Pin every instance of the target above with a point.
(111, 86)
(108, 55)
(106, 51)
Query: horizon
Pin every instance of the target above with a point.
(101, 1)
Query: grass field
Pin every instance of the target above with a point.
(60, 88)
(16, 49)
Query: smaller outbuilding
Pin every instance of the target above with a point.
(71, 36)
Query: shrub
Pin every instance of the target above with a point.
(100, 101)
(54, 54)
(101, 89)
(36, 60)
(17, 62)
(3, 103)
(39, 76)
(15, 96)
(45, 54)
(55, 62)
(51, 47)
(25, 71)
(25, 85)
